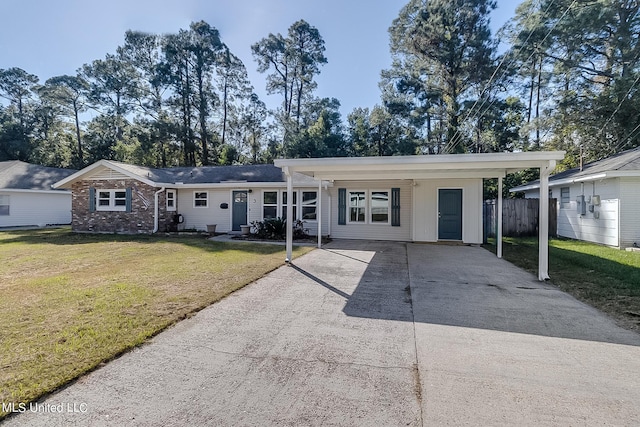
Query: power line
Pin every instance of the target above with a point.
(453, 143)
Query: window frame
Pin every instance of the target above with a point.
(310, 205)
(565, 203)
(270, 205)
(112, 201)
(365, 207)
(283, 205)
(370, 201)
(197, 199)
(171, 199)
(6, 204)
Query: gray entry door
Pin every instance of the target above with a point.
(450, 214)
(239, 207)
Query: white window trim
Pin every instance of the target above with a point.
(174, 207)
(567, 204)
(370, 207)
(263, 205)
(7, 204)
(366, 207)
(316, 205)
(111, 207)
(282, 208)
(195, 199)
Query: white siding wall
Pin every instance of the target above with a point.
(373, 231)
(31, 208)
(629, 211)
(602, 230)
(425, 207)
(199, 217)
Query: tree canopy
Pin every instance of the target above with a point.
(568, 79)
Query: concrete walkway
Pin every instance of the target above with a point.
(373, 333)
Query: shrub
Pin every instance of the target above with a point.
(276, 229)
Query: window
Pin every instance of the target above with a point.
(379, 207)
(200, 199)
(4, 204)
(357, 206)
(284, 205)
(309, 205)
(111, 200)
(565, 197)
(269, 204)
(171, 200)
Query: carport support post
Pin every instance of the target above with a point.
(543, 224)
(499, 228)
(319, 214)
(289, 214)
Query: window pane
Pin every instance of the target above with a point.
(380, 206)
(295, 213)
(121, 195)
(201, 195)
(270, 198)
(284, 198)
(309, 197)
(201, 203)
(103, 202)
(269, 212)
(104, 194)
(4, 209)
(170, 195)
(308, 212)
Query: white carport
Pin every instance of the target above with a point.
(431, 167)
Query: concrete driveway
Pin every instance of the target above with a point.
(373, 333)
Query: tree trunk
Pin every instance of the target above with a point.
(78, 138)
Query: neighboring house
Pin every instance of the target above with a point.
(27, 198)
(115, 197)
(600, 203)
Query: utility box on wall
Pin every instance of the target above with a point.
(581, 205)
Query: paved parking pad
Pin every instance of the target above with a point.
(374, 333)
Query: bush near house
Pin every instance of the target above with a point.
(276, 229)
(606, 278)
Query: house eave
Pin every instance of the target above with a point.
(68, 181)
(24, 190)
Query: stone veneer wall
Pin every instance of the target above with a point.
(139, 220)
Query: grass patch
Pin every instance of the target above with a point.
(604, 277)
(73, 301)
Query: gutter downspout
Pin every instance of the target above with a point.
(156, 209)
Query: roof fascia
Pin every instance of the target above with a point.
(82, 173)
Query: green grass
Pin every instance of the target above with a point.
(70, 302)
(604, 277)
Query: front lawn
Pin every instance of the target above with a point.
(606, 278)
(70, 302)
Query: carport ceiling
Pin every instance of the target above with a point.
(486, 165)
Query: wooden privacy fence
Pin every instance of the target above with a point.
(519, 217)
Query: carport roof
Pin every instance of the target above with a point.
(485, 165)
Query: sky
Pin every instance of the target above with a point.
(50, 38)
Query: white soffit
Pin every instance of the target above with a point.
(486, 165)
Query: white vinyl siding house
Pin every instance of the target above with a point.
(27, 198)
(611, 191)
(37, 208)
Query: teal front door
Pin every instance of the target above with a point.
(239, 209)
(449, 214)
